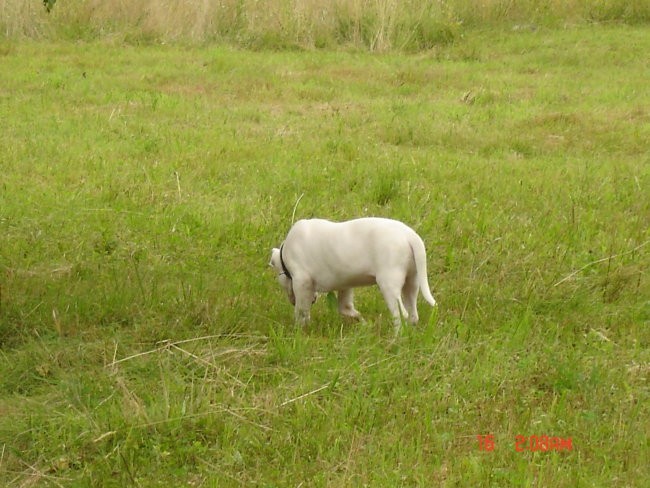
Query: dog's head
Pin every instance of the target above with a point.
(283, 279)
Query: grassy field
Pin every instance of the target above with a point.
(144, 341)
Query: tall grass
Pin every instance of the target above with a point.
(377, 25)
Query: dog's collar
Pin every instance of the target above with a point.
(284, 266)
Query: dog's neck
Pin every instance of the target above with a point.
(284, 266)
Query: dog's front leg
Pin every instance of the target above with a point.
(303, 290)
(346, 304)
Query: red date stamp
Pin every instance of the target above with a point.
(485, 442)
(535, 443)
(530, 443)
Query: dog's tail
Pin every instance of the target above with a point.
(420, 256)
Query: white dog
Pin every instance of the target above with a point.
(321, 256)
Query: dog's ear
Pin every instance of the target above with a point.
(275, 257)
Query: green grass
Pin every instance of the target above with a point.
(143, 341)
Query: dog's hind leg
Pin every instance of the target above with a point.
(410, 297)
(391, 289)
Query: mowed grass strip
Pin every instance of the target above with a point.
(143, 340)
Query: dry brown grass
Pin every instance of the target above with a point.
(378, 25)
(22, 19)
